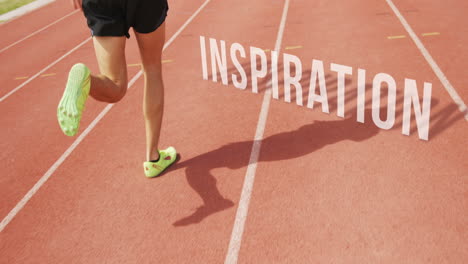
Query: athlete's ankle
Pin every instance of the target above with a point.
(154, 157)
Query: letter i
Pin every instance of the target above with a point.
(203, 57)
(361, 95)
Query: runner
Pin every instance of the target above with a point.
(110, 21)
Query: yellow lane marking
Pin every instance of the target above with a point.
(267, 50)
(139, 64)
(49, 74)
(396, 37)
(430, 34)
(43, 75)
(293, 47)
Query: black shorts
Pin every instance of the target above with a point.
(115, 17)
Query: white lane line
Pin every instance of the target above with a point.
(80, 138)
(445, 82)
(242, 209)
(43, 70)
(37, 31)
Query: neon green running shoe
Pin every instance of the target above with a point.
(71, 105)
(166, 158)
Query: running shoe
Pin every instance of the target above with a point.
(71, 105)
(166, 158)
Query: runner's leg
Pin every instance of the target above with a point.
(151, 45)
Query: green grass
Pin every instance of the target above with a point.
(8, 5)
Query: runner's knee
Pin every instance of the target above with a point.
(121, 90)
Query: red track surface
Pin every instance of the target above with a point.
(327, 189)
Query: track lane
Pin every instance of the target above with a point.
(20, 27)
(24, 61)
(31, 56)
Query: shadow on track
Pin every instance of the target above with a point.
(286, 145)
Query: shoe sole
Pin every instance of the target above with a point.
(71, 105)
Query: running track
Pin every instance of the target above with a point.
(323, 189)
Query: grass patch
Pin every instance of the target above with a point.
(8, 5)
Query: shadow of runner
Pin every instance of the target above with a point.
(281, 146)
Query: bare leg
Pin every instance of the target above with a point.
(111, 85)
(151, 45)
